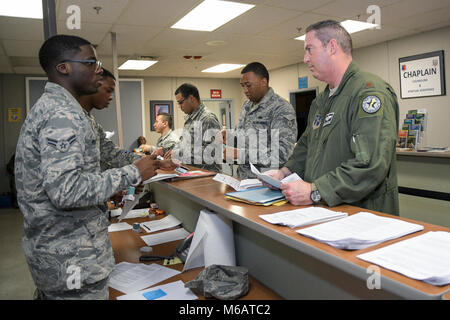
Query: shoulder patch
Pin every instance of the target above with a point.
(62, 145)
(371, 104)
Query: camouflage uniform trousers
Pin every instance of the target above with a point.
(95, 291)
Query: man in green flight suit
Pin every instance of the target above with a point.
(347, 152)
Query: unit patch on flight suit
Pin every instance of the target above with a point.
(328, 119)
(371, 104)
(317, 121)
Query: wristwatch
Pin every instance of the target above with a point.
(315, 194)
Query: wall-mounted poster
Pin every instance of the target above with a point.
(157, 107)
(422, 75)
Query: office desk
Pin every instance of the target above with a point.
(126, 246)
(293, 266)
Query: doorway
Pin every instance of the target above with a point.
(301, 101)
(223, 109)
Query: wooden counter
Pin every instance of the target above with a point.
(126, 246)
(321, 267)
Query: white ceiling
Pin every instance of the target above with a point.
(265, 33)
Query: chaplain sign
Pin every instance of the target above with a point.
(422, 75)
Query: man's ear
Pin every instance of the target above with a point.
(333, 46)
(265, 82)
(63, 68)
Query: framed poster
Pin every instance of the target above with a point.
(157, 107)
(422, 75)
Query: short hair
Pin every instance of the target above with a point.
(166, 117)
(107, 74)
(56, 48)
(187, 89)
(331, 29)
(257, 68)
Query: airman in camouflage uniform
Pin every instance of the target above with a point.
(267, 122)
(199, 130)
(59, 181)
(112, 156)
(167, 140)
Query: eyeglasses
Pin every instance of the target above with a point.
(91, 62)
(181, 101)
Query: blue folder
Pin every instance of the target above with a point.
(257, 195)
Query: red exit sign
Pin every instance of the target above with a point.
(216, 93)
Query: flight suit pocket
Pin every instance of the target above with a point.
(361, 150)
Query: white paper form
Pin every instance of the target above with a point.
(235, 183)
(274, 182)
(171, 291)
(163, 237)
(213, 242)
(121, 226)
(359, 231)
(165, 223)
(302, 217)
(425, 257)
(130, 277)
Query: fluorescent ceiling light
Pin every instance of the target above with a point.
(137, 64)
(351, 26)
(22, 9)
(211, 14)
(224, 67)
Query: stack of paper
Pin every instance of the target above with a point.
(170, 291)
(258, 196)
(135, 213)
(359, 231)
(131, 277)
(165, 223)
(302, 217)
(236, 184)
(163, 237)
(273, 182)
(160, 176)
(425, 257)
(121, 226)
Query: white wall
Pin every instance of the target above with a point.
(382, 59)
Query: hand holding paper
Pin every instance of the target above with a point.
(272, 179)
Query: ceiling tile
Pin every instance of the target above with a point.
(21, 48)
(109, 12)
(297, 5)
(289, 29)
(93, 32)
(258, 19)
(130, 39)
(21, 29)
(350, 9)
(402, 10)
(161, 13)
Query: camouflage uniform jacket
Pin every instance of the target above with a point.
(60, 186)
(196, 124)
(276, 118)
(167, 141)
(111, 155)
